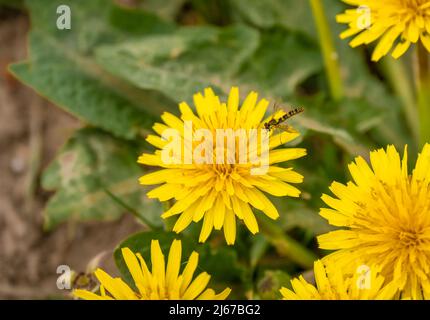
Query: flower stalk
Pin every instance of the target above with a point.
(423, 92)
(134, 212)
(328, 49)
(401, 83)
(285, 245)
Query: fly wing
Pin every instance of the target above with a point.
(278, 110)
(286, 127)
(275, 109)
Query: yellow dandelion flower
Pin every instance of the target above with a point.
(386, 216)
(333, 283)
(163, 283)
(214, 180)
(397, 23)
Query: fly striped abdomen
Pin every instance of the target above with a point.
(275, 123)
(289, 114)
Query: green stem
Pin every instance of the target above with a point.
(285, 245)
(329, 52)
(423, 87)
(397, 75)
(133, 211)
(169, 223)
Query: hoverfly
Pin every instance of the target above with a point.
(86, 281)
(278, 123)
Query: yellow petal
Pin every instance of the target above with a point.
(233, 99)
(230, 227)
(385, 44)
(158, 264)
(165, 192)
(173, 122)
(189, 270)
(256, 116)
(208, 294)
(197, 286)
(287, 175)
(280, 189)
(281, 155)
(173, 264)
(248, 217)
(260, 201)
(116, 287)
(248, 105)
(88, 295)
(287, 294)
(183, 221)
(219, 212)
(207, 226)
(425, 39)
(159, 176)
(400, 49)
(156, 141)
(134, 269)
(150, 160)
(222, 295)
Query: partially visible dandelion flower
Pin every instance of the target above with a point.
(386, 216)
(218, 192)
(397, 23)
(333, 283)
(163, 283)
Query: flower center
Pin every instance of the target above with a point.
(223, 169)
(410, 238)
(416, 7)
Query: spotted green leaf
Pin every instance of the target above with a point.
(91, 163)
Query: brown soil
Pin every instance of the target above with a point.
(31, 131)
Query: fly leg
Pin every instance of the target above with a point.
(286, 128)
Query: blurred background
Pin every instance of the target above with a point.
(120, 66)
(31, 132)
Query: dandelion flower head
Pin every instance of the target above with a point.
(395, 23)
(334, 284)
(220, 193)
(165, 282)
(385, 216)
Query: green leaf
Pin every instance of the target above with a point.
(222, 263)
(290, 14)
(167, 10)
(90, 163)
(135, 22)
(340, 136)
(369, 105)
(65, 84)
(184, 62)
(258, 248)
(303, 217)
(170, 63)
(14, 4)
(62, 69)
(271, 282)
(93, 23)
(282, 62)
